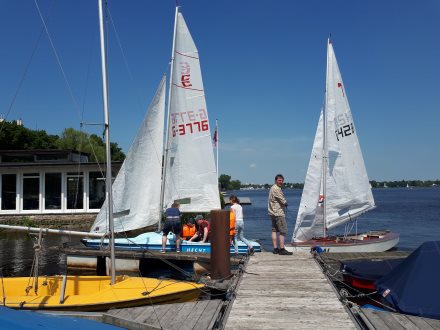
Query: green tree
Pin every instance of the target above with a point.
(18, 137)
(92, 144)
(234, 185)
(224, 181)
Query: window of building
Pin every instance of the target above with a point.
(96, 190)
(31, 191)
(75, 190)
(52, 196)
(9, 191)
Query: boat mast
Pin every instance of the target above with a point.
(108, 176)
(167, 136)
(324, 147)
(216, 149)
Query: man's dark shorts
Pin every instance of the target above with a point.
(279, 224)
(173, 226)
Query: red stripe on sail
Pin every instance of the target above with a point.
(187, 55)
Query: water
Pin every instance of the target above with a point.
(413, 213)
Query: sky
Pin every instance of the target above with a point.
(263, 67)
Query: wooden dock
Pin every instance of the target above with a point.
(286, 292)
(382, 320)
(269, 292)
(199, 315)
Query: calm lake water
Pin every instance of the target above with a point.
(414, 213)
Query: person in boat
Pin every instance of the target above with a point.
(202, 233)
(188, 229)
(276, 207)
(237, 210)
(173, 224)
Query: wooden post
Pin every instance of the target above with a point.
(220, 245)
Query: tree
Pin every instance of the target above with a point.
(92, 144)
(18, 137)
(224, 181)
(227, 184)
(234, 185)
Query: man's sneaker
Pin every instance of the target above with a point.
(162, 251)
(276, 251)
(178, 250)
(284, 252)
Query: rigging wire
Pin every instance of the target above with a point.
(58, 59)
(20, 83)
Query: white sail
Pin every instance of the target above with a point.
(190, 172)
(347, 189)
(136, 189)
(310, 220)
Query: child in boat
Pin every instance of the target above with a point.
(188, 229)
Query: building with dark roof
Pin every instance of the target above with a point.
(51, 182)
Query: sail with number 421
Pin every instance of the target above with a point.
(336, 188)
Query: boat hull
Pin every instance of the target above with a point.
(94, 293)
(153, 241)
(373, 241)
(362, 274)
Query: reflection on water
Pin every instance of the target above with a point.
(17, 254)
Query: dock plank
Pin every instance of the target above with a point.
(199, 315)
(388, 320)
(286, 292)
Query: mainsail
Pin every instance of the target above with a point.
(336, 188)
(190, 173)
(136, 189)
(190, 167)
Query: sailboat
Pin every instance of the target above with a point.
(141, 189)
(88, 293)
(336, 189)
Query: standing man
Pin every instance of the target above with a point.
(275, 206)
(173, 224)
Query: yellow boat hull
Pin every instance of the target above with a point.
(94, 293)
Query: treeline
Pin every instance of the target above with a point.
(15, 136)
(405, 184)
(227, 184)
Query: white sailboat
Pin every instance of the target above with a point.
(141, 191)
(336, 189)
(86, 293)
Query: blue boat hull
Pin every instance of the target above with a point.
(152, 241)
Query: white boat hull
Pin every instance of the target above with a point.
(373, 241)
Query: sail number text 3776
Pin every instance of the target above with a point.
(189, 122)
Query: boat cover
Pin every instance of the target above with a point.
(413, 286)
(368, 269)
(28, 320)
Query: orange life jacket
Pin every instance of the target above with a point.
(187, 231)
(231, 223)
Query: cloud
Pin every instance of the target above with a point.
(253, 165)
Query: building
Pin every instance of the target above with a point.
(51, 182)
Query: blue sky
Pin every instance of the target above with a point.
(263, 66)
